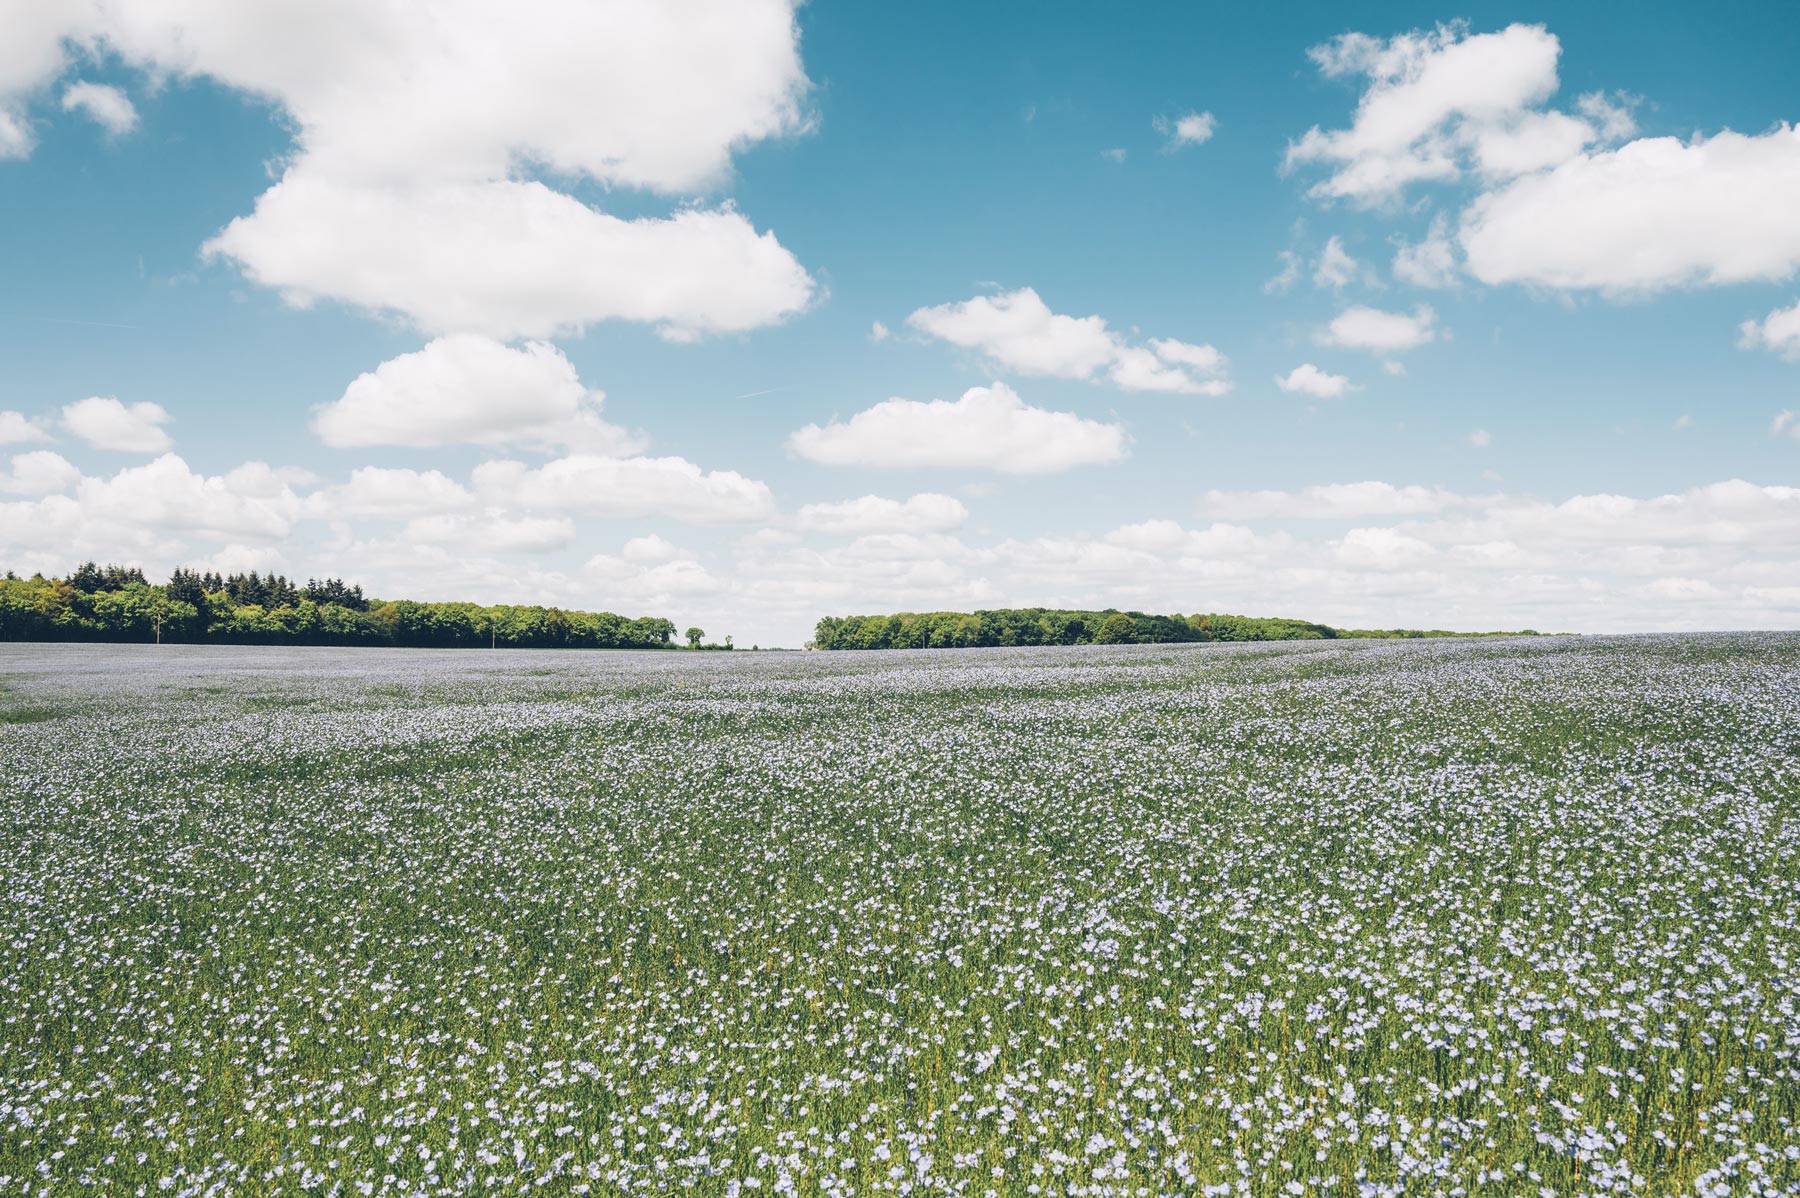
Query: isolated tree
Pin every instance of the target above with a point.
(693, 637)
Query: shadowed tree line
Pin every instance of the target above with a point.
(1045, 626)
(117, 603)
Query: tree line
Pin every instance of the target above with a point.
(117, 603)
(1048, 626)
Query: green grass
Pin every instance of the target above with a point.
(26, 713)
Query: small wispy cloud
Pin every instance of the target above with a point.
(1189, 130)
(106, 106)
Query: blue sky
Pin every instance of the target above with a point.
(1509, 341)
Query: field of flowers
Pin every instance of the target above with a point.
(1368, 918)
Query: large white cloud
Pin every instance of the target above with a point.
(628, 92)
(1219, 540)
(1734, 514)
(1652, 214)
(105, 423)
(252, 501)
(1018, 331)
(148, 509)
(1779, 332)
(989, 428)
(656, 577)
(389, 493)
(493, 532)
(1719, 556)
(470, 389)
(1722, 555)
(412, 130)
(1328, 501)
(1435, 101)
(1567, 202)
(925, 512)
(670, 488)
(39, 473)
(1713, 557)
(1380, 549)
(511, 259)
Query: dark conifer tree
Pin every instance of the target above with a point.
(185, 586)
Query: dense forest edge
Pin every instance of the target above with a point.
(117, 603)
(1047, 626)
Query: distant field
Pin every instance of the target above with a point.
(1335, 918)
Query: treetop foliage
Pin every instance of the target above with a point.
(117, 603)
(1048, 626)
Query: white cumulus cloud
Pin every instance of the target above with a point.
(1017, 331)
(151, 504)
(1328, 501)
(1567, 201)
(408, 187)
(589, 484)
(650, 549)
(1653, 214)
(385, 492)
(1381, 549)
(493, 532)
(39, 473)
(104, 423)
(1382, 332)
(1307, 379)
(16, 427)
(16, 139)
(1189, 129)
(1335, 266)
(512, 259)
(925, 512)
(1430, 262)
(1432, 96)
(989, 428)
(469, 389)
(106, 106)
(1778, 332)
(657, 585)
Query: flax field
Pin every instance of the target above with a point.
(1364, 919)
